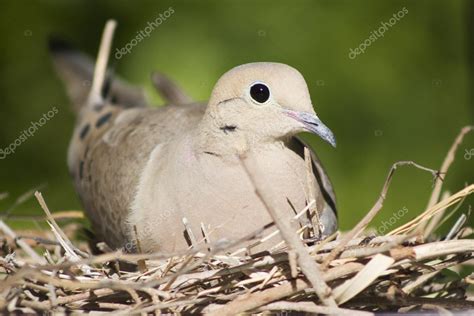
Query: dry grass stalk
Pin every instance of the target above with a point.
(95, 96)
(429, 213)
(373, 211)
(446, 164)
(306, 263)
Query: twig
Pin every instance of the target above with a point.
(189, 231)
(311, 188)
(444, 219)
(443, 248)
(95, 95)
(406, 301)
(292, 259)
(76, 297)
(62, 238)
(445, 166)
(306, 263)
(161, 306)
(205, 234)
(431, 224)
(442, 205)
(251, 301)
(141, 263)
(8, 231)
(310, 307)
(456, 227)
(410, 287)
(448, 160)
(180, 272)
(274, 233)
(269, 277)
(373, 211)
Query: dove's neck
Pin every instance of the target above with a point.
(221, 138)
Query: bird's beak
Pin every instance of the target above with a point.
(313, 124)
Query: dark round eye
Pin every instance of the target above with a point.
(260, 92)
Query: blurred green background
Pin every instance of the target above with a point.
(405, 98)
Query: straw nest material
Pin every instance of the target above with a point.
(404, 270)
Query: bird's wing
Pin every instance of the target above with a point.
(324, 185)
(113, 140)
(108, 162)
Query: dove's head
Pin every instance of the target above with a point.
(266, 101)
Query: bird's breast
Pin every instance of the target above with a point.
(213, 191)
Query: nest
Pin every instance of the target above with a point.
(406, 269)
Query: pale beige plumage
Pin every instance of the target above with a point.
(149, 168)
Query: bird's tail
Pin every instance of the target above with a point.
(88, 85)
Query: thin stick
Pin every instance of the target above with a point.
(442, 248)
(251, 301)
(311, 187)
(456, 227)
(93, 293)
(292, 259)
(373, 211)
(274, 233)
(410, 287)
(448, 160)
(312, 308)
(306, 263)
(446, 164)
(407, 301)
(8, 231)
(189, 231)
(442, 205)
(141, 263)
(62, 238)
(95, 95)
(436, 219)
(450, 214)
(205, 234)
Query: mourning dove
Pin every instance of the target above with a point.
(140, 171)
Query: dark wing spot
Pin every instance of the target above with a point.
(106, 87)
(228, 128)
(212, 153)
(103, 119)
(84, 131)
(81, 169)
